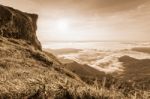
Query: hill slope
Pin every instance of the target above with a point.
(26, 72)
(137, 70)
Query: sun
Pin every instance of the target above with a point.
(63, 25)
(63, 29)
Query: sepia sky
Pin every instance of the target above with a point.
(80, 20)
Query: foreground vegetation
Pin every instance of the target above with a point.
(33, 74)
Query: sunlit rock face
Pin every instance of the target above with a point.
(19, 25)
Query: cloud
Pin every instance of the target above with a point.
(82, 7)
(93, 19)
(90, 6)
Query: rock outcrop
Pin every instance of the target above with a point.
(19, 25)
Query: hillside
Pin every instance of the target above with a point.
(85, 72)
(135, 74)
(137, 70)
(27, 72)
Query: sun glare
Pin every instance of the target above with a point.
(63, 25)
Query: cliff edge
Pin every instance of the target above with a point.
(19, 25)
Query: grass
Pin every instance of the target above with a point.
(26, 73)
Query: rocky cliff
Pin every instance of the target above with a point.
(19, 25)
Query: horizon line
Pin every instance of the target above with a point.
(95, 41)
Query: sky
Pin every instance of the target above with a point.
(84, 20)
